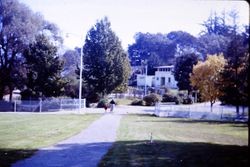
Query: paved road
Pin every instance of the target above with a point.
(83, 150)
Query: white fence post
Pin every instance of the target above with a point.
(15, 106)
(60, 104)
(84, 103)
(221, 116)
(40, 105)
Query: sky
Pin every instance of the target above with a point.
(76, 17)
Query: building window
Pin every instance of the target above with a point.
(169, 80)
(162, 81)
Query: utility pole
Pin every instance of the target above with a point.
(81, 67)
(146, 72)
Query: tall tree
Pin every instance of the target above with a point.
(71, 60)
(18, 28)
(221, 24)
(235, 76)
(223, 34)
(219, 30)
(184, 42)
(212, 44)
(106, 65)
(156, 49)
(43, 69)
(206, 75)
(183, 69)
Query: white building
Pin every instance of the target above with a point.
(149, 80)
(163, 78)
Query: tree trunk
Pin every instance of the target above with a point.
(11, 93)
(211, 106)
(1, 94)
(237, 110)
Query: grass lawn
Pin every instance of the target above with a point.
(123, 101)
(177, 142)
(22, 134)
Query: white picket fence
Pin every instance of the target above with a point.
(201, 111)
(47, 105)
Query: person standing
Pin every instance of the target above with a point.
(105, 107)
(112, 105)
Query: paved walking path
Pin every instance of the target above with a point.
(83, 150)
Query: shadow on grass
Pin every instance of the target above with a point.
(66, 155)
(174, 154)
(130, 154)
(9, 156)
(188, 120)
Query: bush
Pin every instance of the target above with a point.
(102, 103)
(137, 102)
(151, 99)
(171, 98)
(168, 98)
(187, 100)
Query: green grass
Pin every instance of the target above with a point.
(177, 142)
(124, 101)
(22, 134)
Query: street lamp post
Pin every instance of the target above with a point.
(145, 86)
(81, 67)
(80, 84)
(145, 65)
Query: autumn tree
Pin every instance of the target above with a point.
(206, 76)
(106, 65)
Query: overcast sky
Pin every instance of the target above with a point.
(130, 16)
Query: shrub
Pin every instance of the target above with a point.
(137, 102)
(102, 103)
(151, 99)
(168, 98)
(187, 100)
(171, 98)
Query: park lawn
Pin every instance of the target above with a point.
(177, 142)
(123, 101)
(22, 134)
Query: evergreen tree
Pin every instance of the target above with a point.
(235, 75)
(106, 65)
(43, 69)
(183, 69)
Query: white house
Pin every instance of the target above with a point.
(142, 79)
(163, 77)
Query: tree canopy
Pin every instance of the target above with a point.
(19, 27)
(156, 49)
(183, 68)
(206, 76)
(43, 69)
(106, 65)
